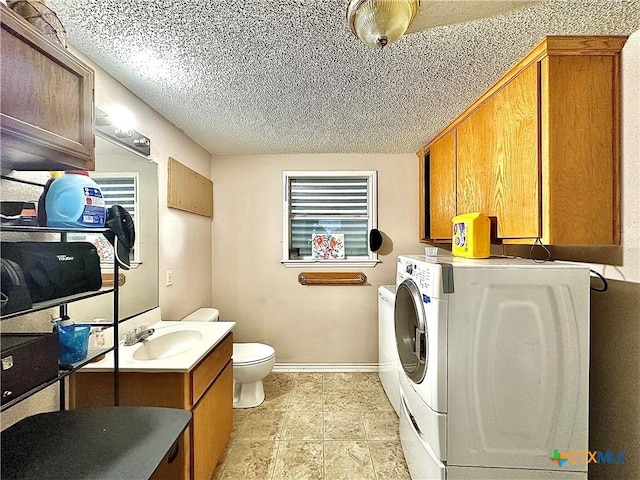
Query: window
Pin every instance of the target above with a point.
(327, 216)
(117, 189)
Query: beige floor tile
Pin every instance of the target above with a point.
(308, 381)
(325, 426)
(388, 461)
(278, 381)
(341, 401)
(381, 425)
(251, 460)
(276, 399)
(302, 425)
(343, 426)
(367, 381)
(339, 380)
(372, 401)
(299, 461)
(303, 399)
(348, 460)
(239, 416)
(261, 425)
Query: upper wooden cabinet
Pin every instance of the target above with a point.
(46, 118)
(539, 150)
(498, 158)
(438, 174)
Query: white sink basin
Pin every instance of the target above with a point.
(167, 345)
(175, 346)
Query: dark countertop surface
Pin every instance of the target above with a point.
(114, 443)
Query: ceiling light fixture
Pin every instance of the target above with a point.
(126, 136)
(380, 22)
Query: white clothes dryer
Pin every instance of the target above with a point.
(494, 358)
(387, 351)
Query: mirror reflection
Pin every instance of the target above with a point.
(131, 180)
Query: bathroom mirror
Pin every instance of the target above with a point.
(139, 293)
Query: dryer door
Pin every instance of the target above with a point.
(411, 330)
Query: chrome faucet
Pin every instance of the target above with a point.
(137, 335)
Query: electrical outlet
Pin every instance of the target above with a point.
(169, 277)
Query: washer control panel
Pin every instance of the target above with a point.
(426, 275)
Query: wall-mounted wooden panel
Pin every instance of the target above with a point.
(188, 190)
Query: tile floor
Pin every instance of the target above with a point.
(316, 426)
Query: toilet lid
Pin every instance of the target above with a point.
(252, 353)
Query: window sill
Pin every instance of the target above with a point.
(330, 263)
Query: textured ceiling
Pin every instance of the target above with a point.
(287, 76)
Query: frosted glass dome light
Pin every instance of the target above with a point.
(378, 23)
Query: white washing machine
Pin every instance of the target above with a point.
(387, 352)
(494, 366)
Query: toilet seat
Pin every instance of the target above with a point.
(252, 353)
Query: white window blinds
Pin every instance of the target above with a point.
(329, 203)
(119, 191)
(337, 205)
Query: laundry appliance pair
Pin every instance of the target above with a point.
(494, 367)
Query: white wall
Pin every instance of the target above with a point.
(305, 324)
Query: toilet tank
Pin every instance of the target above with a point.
(203, 315)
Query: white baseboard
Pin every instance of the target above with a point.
(325, 367)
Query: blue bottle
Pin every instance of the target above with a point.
(74, 200)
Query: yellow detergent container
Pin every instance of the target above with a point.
(471, 235)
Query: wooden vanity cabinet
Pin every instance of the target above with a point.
(46, 119)
(540, 150)
(206, 391)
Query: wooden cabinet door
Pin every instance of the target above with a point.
(212, 424)
(441, 158)
(175, 465)
(47, 102)
(580, 149)
(497, 163)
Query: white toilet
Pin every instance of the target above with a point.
(251, 363)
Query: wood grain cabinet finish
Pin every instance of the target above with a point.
(498, 158)
(207, 391)
(540, 150)
(438, 177)
(46, 118)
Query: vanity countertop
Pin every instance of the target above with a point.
(200, 338)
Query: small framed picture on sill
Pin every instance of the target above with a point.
(327, 246)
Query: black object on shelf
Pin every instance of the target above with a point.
(64, 371)
(91, 443)
(56, 269)
(28, 360)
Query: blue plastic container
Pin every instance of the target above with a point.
(74, 200)
(74, 342)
